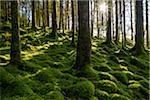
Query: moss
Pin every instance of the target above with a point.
(122, 77)
(116, 96)
(102, 67)
(102, 95)
(93, 98)
(107, 85)
(54, 95)
(106, 76)
(89, 73)
(83, 89)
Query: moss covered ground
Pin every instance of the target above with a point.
(46, 74)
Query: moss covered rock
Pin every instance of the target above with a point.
(83, 89)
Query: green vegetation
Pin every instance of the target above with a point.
(46, 72)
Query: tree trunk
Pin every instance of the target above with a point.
(33, 15)
(116, 12)
(147, 31)
(60, 19)
(124, 27)
(68, 14)
(44, 16)
(131, 20)
(15, 54)
(139, 37)
(91, 19)
(72, 5)
(97, 12)
(47, 11)
(108, 33)
(120, 11)
(84, 36)
(54, 20)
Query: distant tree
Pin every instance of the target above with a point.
(120, 17)
(54, 19)
(124, 27)
(108, 33)
(84, 36)
(47, 12)
(92, 19)
(68, 16)
(60, 14)
(139, 37)
(73, 28)
(33, 15)
(44, 16)
(147, 29)
(131, 17)
(15, 54)
(116, 17)
(97, 14)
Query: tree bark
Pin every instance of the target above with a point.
(15, 54)
(108, 33)
(131, 20)
(116, 17)
(147, 29)
(139, 37)
(124, 27)
(33, 15)
(47, 11)
(54, 20)
(73, 30)
(84, 36)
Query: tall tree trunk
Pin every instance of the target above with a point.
(131, 20)
(124, 26)
(47, 11)
(33, 15)
(120, 12)
(84, 36)
(147, 30)
(60, 19)
(54, 20)
(91, 19)
(15, 54)
(73, 31)
(97, 12)
(139, 37)
(116, 12)
(68, 14)
(44, 16)
(108, 33)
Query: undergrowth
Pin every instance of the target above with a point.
(47, 75)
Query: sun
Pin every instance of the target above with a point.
(103, 7)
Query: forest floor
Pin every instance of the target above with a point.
(114, 74)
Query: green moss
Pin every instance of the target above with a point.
(116, 96)
(107, 85)
(83, 89)
(102, 95)
(89, 73)
(106, 76)
(93, 98)
(122, 77)
(54, 95)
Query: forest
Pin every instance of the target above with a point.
(74, 49)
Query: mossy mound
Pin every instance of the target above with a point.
(102, 95)
(107, 85)
(83, 89)
(119, 75)
(54, 95)
(116, 96)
